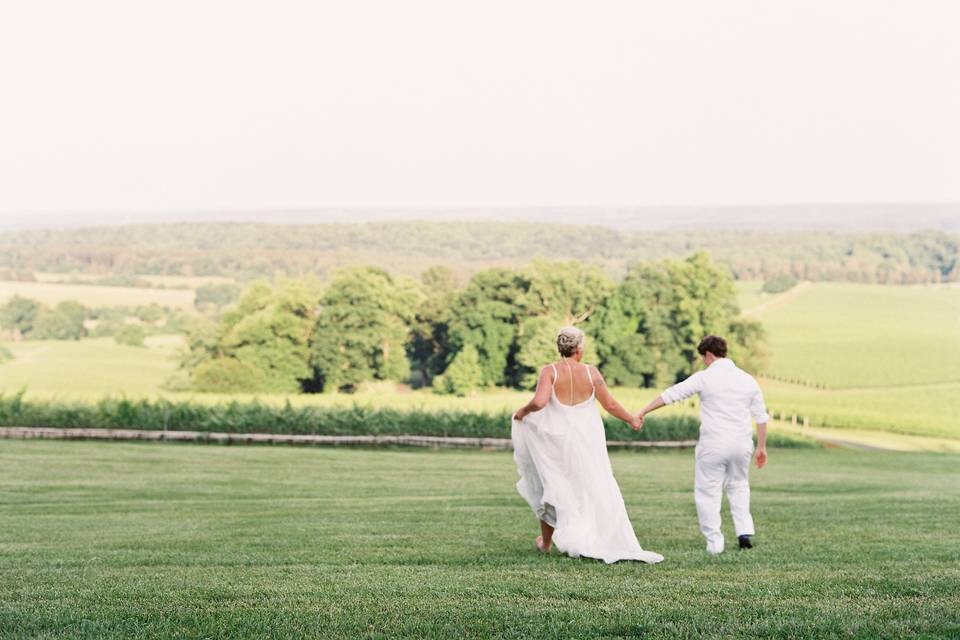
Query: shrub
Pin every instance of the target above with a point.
(227, 375)
(131, 335)
(63, 322)
(779, 284)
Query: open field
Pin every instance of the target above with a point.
(207, 541)
(882, 351)
(97, 295)
(930, 410)
(89, 368)
(851, 336)
(170, 282)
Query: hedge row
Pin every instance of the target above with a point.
(255, 417)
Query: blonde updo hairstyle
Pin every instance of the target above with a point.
(569, 340)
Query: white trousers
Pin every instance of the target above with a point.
(723, 464)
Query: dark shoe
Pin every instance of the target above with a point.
(745, 542)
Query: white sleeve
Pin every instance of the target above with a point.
(683, 390)
(758, 409)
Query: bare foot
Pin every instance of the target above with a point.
(540, 545)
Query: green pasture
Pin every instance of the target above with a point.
(187, 541)
(930, 410)
(89, 368)
(750, 294)
(848, 336)
(50, 293)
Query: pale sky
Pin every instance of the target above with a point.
(199, 105)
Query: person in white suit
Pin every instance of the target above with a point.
(729, 398)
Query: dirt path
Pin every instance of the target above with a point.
(779, 300)
(870, 440)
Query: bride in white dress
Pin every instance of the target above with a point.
(561, 454)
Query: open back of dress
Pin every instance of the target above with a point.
(566, 478)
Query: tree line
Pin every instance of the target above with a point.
(367, 324)
(247, 251)
(23, 318)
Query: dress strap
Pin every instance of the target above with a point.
(555, 374)
(590, 375)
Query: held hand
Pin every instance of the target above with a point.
(637, 423)
(761, 457)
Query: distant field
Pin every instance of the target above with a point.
(187, 282)
(96, 295)
(926, 410)
(881, 350)
(851, 336)
(89, 368)
(750, 294)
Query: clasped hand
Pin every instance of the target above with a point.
(637, 422)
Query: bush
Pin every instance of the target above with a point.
(227, 375)
(63, 322)
(779, 284)
(131, 335)
(216, 296)
(5, 355)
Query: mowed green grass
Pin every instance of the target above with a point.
(89, 368)
(854, 336)
(158, 541)
(97, 295)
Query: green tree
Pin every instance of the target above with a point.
(559, 294)
(63, 322)
(363, 327)
(633, 330)
(18, 314)
(267, 331)
(270, 330)
(704, 300)
(486, 315)
(429, 343)
(463, 377)
(747, 345)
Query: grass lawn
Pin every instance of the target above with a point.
(106, 540)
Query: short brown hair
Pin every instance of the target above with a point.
(714, 344)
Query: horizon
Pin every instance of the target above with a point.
(827, 217)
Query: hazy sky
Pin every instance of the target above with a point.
(167, 105)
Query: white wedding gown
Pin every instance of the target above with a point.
(566, 478)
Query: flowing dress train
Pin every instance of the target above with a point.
(566, 478)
